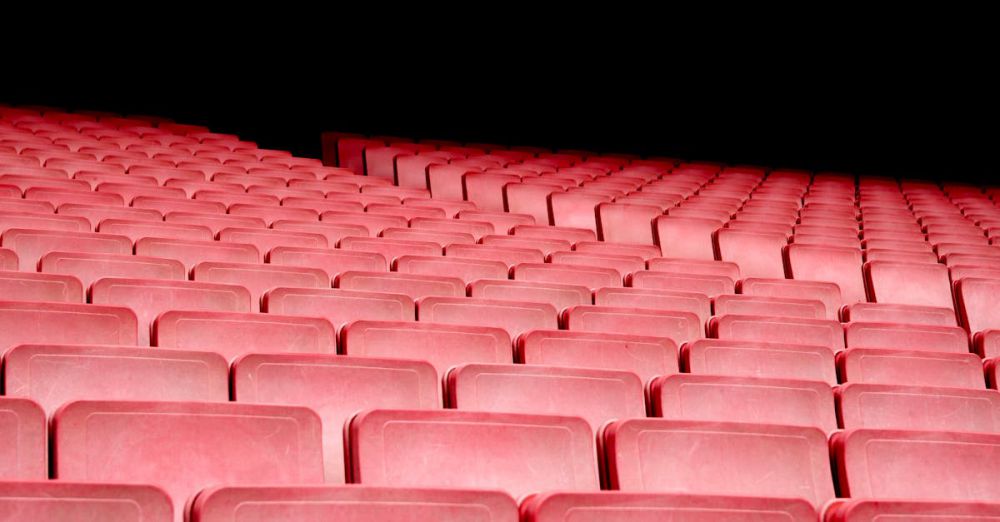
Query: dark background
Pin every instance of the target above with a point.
(914, 119)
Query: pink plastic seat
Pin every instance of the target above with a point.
(57, 323)
(193, 252)
(45, 501)
(817, 332)
(680, 327)
(645, 356)
(558, 295)
(468, 270)
(916, 368)
(31, 245)
(339, 307)
(616, 506)
(26, 286)
(24, 455)
(332, 261)
(412, 285)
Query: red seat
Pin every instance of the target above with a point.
(902, 336)
(270, 214)
(571, 234)
(623, 222)
(53, 375)
(45, 501)
(828, 293)
(90, 267)
(817, 332)
(679, 327)
(336, 388)
(841, 266)
(391, 248)
(468, 270)
(615, 506)
(558, 295)
(216, 222)
(193, 252)
(265, 239)
(908, 283)
(695, 303)
(136, 230)
(686, 237)
(485, 189)
(58, 196)
(539, 452)
(331, 261)
(884, 406)
(719, 458)
(530, 199)
(710, 285)
(27, 286)
(893, 313)
(589, 276)
(545, 245)
(442, 345)
(515, 317)
(96, 214)
(31, 245)
(976, 298)
(770, 306)
(414, 286)
(500, 222)
(916, 368)
(645, 356)
(168, 205)
(695, 266)
(24, 454)
(646, 252)
(575, 209)
(924, 465)
(744, 399)
(331, 231)
(183, 447)
(445, 181)
(860, 510)
(623, 264)
(442, 239)
(317, 504)
(259, 278)
(757, 254)
(374, 223)
(8, 259)
(339, 307)
(25, 322)
(510, 256)
(234, 334)
(595, 395)
(129, 191)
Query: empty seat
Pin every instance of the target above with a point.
(183, 447)
(976, 298)
(468, 270)
(391, 248)
(757, 254)
(624, 222)
(235, 334)
(515, 317)
(597, 396)
(90, 267)
(316, 504)
(53, 375)
(887, 406)
(623, 264)
(616, 506)
(916, 368)
(24, 454)
(744, 399)
(270, 214)
(771, 306)
(719, 458)
(680, 327)
(168, 205)
(216, 222)
(860, 510)
(826, 292)
(710, 285)
(695, 303)
(530, 199)
(414, 286)
(8, 259)
(58, 196)
(336, 388)
(646, 252)
(259, 278)
(96, 214)
(331, 261)
(792, 330)
(539, 452)
(825, 263)
(903, 336)
(510, 256)
(148, 298)
(927, 465)
(571, 234)
(265, 239)
(26, 322)
(339, 306)
(374, 223)
(193, 252)
(686, 237)
(893, 313)
(575, 209)
(136, 230)
(31, 245)
(20, 286)
(589, 276)
(442, 239)
(908, 283)
(442, 345)
(51, 501)
(759, 359)
(645, 356)
(545, 245)
(695, 266)
(558, 295)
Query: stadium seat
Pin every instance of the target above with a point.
(908, 283)
(924, 465)
(624, 264)
(686, 237)
(468, 270)
(53, 375)
(719, 458)
(622, 222)
(216, 222)
(193, 252)
(571, 234)
(31, 245)
(597, 396)
(320, 503)
(168, 205)
(183, 447)
(558, 295)
(861, 510)
(510, 256)
(909, 367)
(265, 239)
(757, 254)
(391, 249)
(442, 345)
(906, 407)
(530, 199)
(331, 231)
(744, 399)
(707, 284)
(841, 266)
(817, 332)
(976, 304)
(616, 506)
(58, 323)
(336, 388)
(828, 293)
(24, 430)
(646, 356)
(679, 327)
(8, 259)
(502, 222)
(892, 313)
(515, 317)
(646, 252)
(412, 285)
(545, 245)
(902, 336)
(258, 279)
(770, 306)
(50, 501)
(27, 286)
(332, 261)
(539, 452)
(136, 230)
(698, 304)
(339, 306)
(590, 276)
